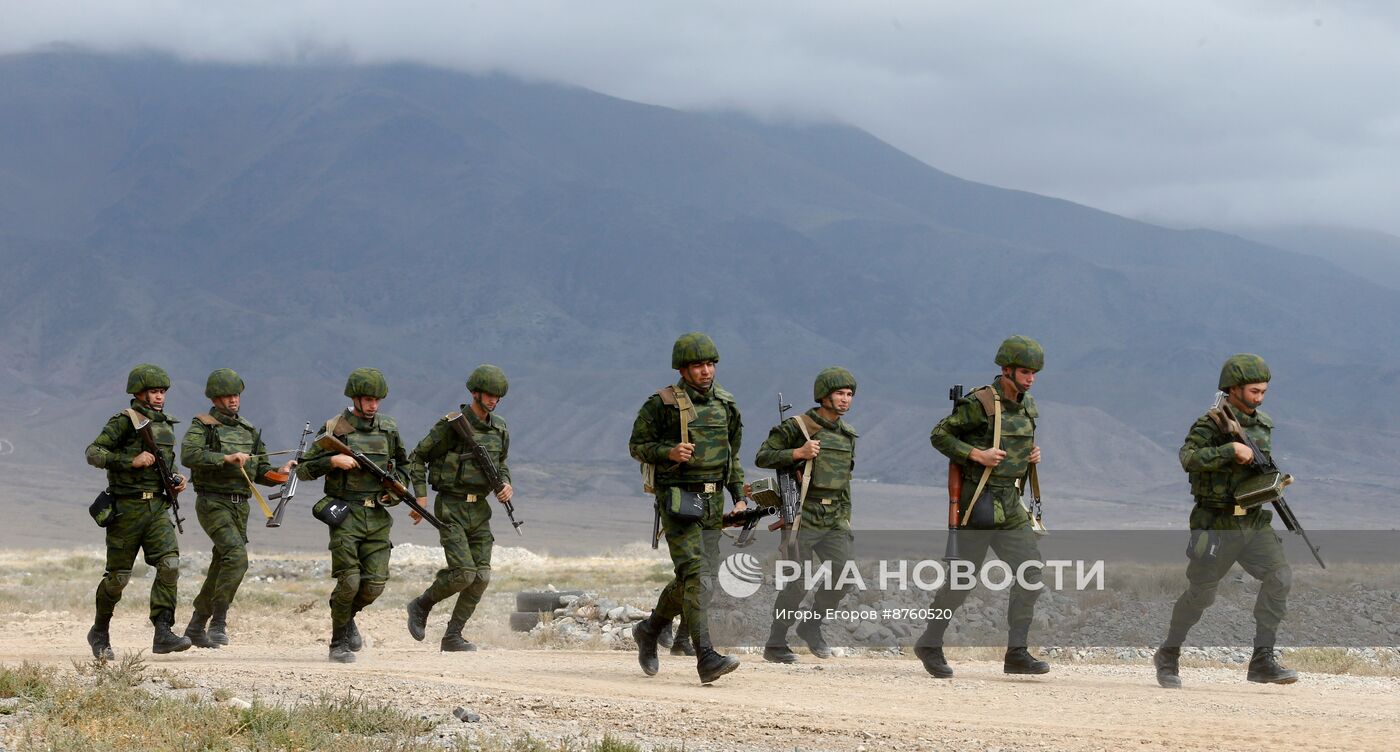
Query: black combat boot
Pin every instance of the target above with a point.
(452, 640)
(418, 610)
(353, 640)
(810, 632)
(196, 632)
(776, 650)
(1264, 668)
(680, 642)
(99, 640)
(166, 641)
(934, 662)
(218, 626)
(340, 644)
(1020, 661)
(645, 634)
(712, 665)
(1167, 660)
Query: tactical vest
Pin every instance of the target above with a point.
(1017, 437)
(127, 480)
(1219, 485)
(831, 470)
(455, 472)
(708, 429)
(377, 444)
(224, 438)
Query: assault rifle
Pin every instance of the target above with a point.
(386, 479)
(483, 462)
(289, 487)
(1262, 463)
(168, 480)
(748, 519)
(790, 501)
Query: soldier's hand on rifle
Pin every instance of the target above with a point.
(1243, 454)
(180, 483)
(739, 506)
(416, 517)
(987, 457)
(144, 459)
(287, 468)
(681, 452)
(237, 458)
(808, 451)
(505, 493)
(1035, 455)
(343, 462)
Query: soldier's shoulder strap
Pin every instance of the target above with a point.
(448, 418)
(207, 419)
(668, 395)
(339, 426)
(987, 397)
(135, 417)
(809, 427)
(678, 399)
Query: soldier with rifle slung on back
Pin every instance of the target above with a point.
(225, 454)
(991, 438)
(137, 449)
(463, 479)
(1229, 522)
(688, 436)
(824, 446)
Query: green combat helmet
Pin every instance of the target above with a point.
(366, 382)
(694, 347)
(1243, 368)
(223, 382)
(1021, 352)
(489, 379)
(831, 379)
(146, 376)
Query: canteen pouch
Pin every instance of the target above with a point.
(1261, 489)
(1204, 546)
(103, 509)
(685, 506)
(984, 512)
(331, 511)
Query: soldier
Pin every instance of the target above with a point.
(359, 543)
(139, 519)
(443, 459)
(1216, 464)
(826, 445)
(688, 478)
(993, 465)
(223, 452)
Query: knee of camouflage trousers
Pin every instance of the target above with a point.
(236, 561)
(461, 579)
(1201, 595)
(1278, 582)
(113, 583)
(347, 585)
(168, 570)
(370, 590)
(480, 581)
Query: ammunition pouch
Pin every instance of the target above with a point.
(1261, 489)
(331, 511)
(1204, 546)
(103, 509)
(683, 505)
(983, 513)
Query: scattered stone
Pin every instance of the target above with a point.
(238, 703)
(466, 716)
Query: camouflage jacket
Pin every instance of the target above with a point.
(442, 461)
(204, 446)
(118, 444)
(716, 433)
(1209, 460)
(970, 427)
(831, 470)
(377, 438)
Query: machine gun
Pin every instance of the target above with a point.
(483, 462)
(168, 480)
(789, 502)
(747, 519)
(289, 487)
(386, 479)
(1274, 481)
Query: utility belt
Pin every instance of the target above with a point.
(139, 496)
(233, 497)
(687, 502)
(469, 498)
(1224, 505)
(701, 487)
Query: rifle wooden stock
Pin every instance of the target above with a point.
(391, 484)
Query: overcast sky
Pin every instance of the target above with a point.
(1188, 111)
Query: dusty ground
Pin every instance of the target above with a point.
(520, 686)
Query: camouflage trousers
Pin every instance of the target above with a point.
(821, 547)
(360, 550)
(467, 542)
(226, 523)
(1014, 543)
(141, 526)
(694, 547)
(1251, 541)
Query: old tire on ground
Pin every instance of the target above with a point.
(524, 621)
(547, 601)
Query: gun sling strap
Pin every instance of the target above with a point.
(995, 399)
(807, 431)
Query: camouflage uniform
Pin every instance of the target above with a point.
(1208, 456)
(825, 531)
(463, 504)
(221, 502)
(141, 521)
(360, 545)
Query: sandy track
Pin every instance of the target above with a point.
(840, 704)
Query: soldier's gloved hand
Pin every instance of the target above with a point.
(505, 493)
(237, 458)
(144, 459)
(343, 462)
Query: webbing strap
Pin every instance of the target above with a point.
(996, 444)
(806, 474)
(261, 501)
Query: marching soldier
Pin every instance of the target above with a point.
(224, 453)
(688, 435)
(139, 516)
(354, 505)
(825, 445)
(444, 462)
(991, 436)
(1216, 464)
